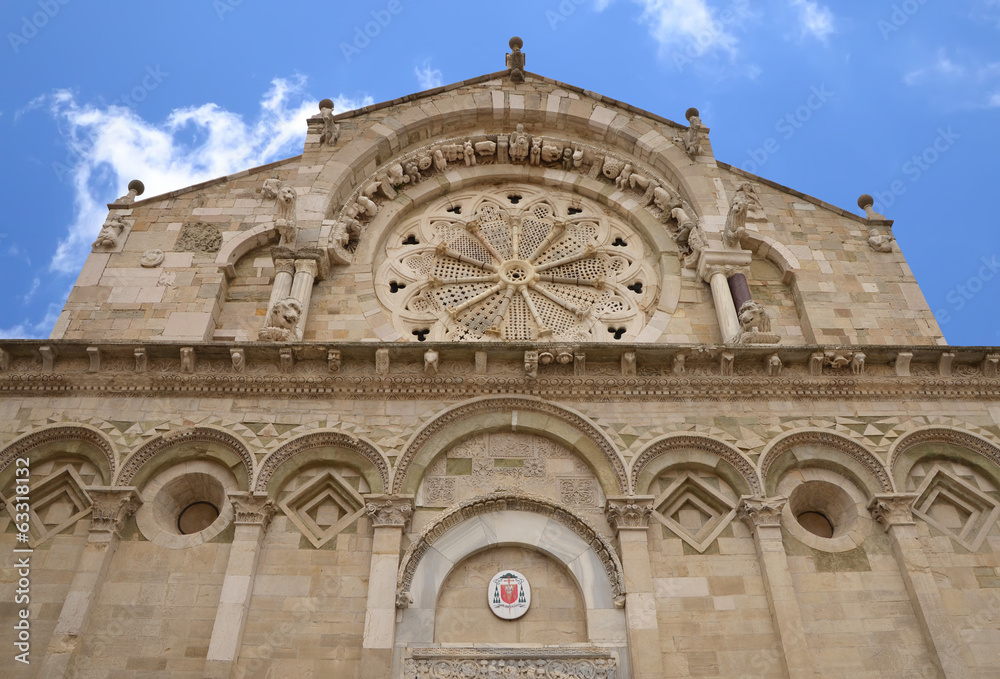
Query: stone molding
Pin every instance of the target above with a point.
(501, 501)
(324, 439)
(835, 441)
(962, 439)
(597, 663)
(111, 508)
(35, 439)
(893, 510)
(195, 435)
(509, 404)
(253, 509)
(389, 510)
(744, 467)
(629, 513)
(757, 512)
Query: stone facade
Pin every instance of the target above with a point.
(291, 422)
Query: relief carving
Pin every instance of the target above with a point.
(199, 237)
(281, 321)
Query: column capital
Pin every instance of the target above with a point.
(629, 513)
(284, 266)
(112, 507)
(254, 509)
(757, 512)
(723, 262)
(893, 509)
(309, 266)
(389, 510)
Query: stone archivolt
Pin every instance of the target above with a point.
(854, 450)
(517, 263)
(196, 435)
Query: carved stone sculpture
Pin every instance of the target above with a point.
(412, 170)
(879, 242)
(551, 153)
(737, 219)
(135, 188)
(567, 159)
(680, 364)
(431, 362)
(285, 222)
(239, 359)
(857, 363)
(271, 188)
(520, 144)
(110, 233)
(531, 364)
(516, 60)
(469, 152)
(536, 151)
(774, 365)
(755, 324)
(281, 321)
(440, 162)
(396, 176)
(692, 140)
(367, 206)
(331, 130)
(151, 259)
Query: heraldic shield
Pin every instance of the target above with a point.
(509, 595)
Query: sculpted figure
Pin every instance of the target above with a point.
(281, 321)
(412, 170)
(470, 154)
(567, 159)
(286, 203)
(110, 232)
(692, 140)
(551, 153)
(774, 365)
(621, 181)
(440, 162)
(665, 200)
(431, 360)
(685, 225)
(331, 130)
(396, 176)
(753, 317)
(737, 219)
(367, 206)
(880, 243)
(271, 188)
(516, 60)
(520, 145)
(577, 159)
(858, 363)
(536, 151)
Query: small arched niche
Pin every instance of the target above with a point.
(557, 613)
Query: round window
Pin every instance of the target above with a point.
(196, 517)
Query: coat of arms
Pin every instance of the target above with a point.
(509, 595)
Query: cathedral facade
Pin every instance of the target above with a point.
(502, 379)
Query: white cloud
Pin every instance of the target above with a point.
(33, 330)
(943, 66)
(681, 24)
(814, 19)
(962, 82)
(111, 145)
(994, 101)
(428, 76)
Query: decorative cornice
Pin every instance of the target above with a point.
(629, 513)
(757, 512)
(111, 508)
(893, 510)
(255, 509)
(389, 510)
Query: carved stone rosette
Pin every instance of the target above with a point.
(893, 510)
(112, 507)
(629, 513)
(255, 509)
(756, 512)
(390, 510)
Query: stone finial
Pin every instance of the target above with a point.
(135, 188)
(515, 60)
(867, 203)
(331, 130)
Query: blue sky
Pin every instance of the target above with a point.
(897, 99)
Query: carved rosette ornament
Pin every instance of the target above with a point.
(389, 510)
(517, 263)
(111, 508)
(254, 509)
(893, 510)
(757, 512)
(629, 513)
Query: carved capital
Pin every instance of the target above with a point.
(893, 510)
(111, 508)
(756, 512)
(389, 510)
(254, 509)
(284, 266)
(629, 513)
(308, 266)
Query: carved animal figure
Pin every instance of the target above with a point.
(281, 321)
(286, 203)
(753, 317)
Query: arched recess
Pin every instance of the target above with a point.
(775, 252)
(230, 253)
(980, 447)
(101, 451)
(195, 443)
(523, 414)
(502, 519)
(723, 459)
(797, 448)
(326, 446)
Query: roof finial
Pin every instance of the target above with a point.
(515, 60)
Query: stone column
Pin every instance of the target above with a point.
(629, 518)
(253, 515)
(112, 507)
(725, 307)
(389, 516)
(740, 289)
(895, 513)
(282, 288)
(763, 518)
(306, 271)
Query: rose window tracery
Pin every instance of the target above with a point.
(516, 263)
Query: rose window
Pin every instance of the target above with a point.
(516, 263)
